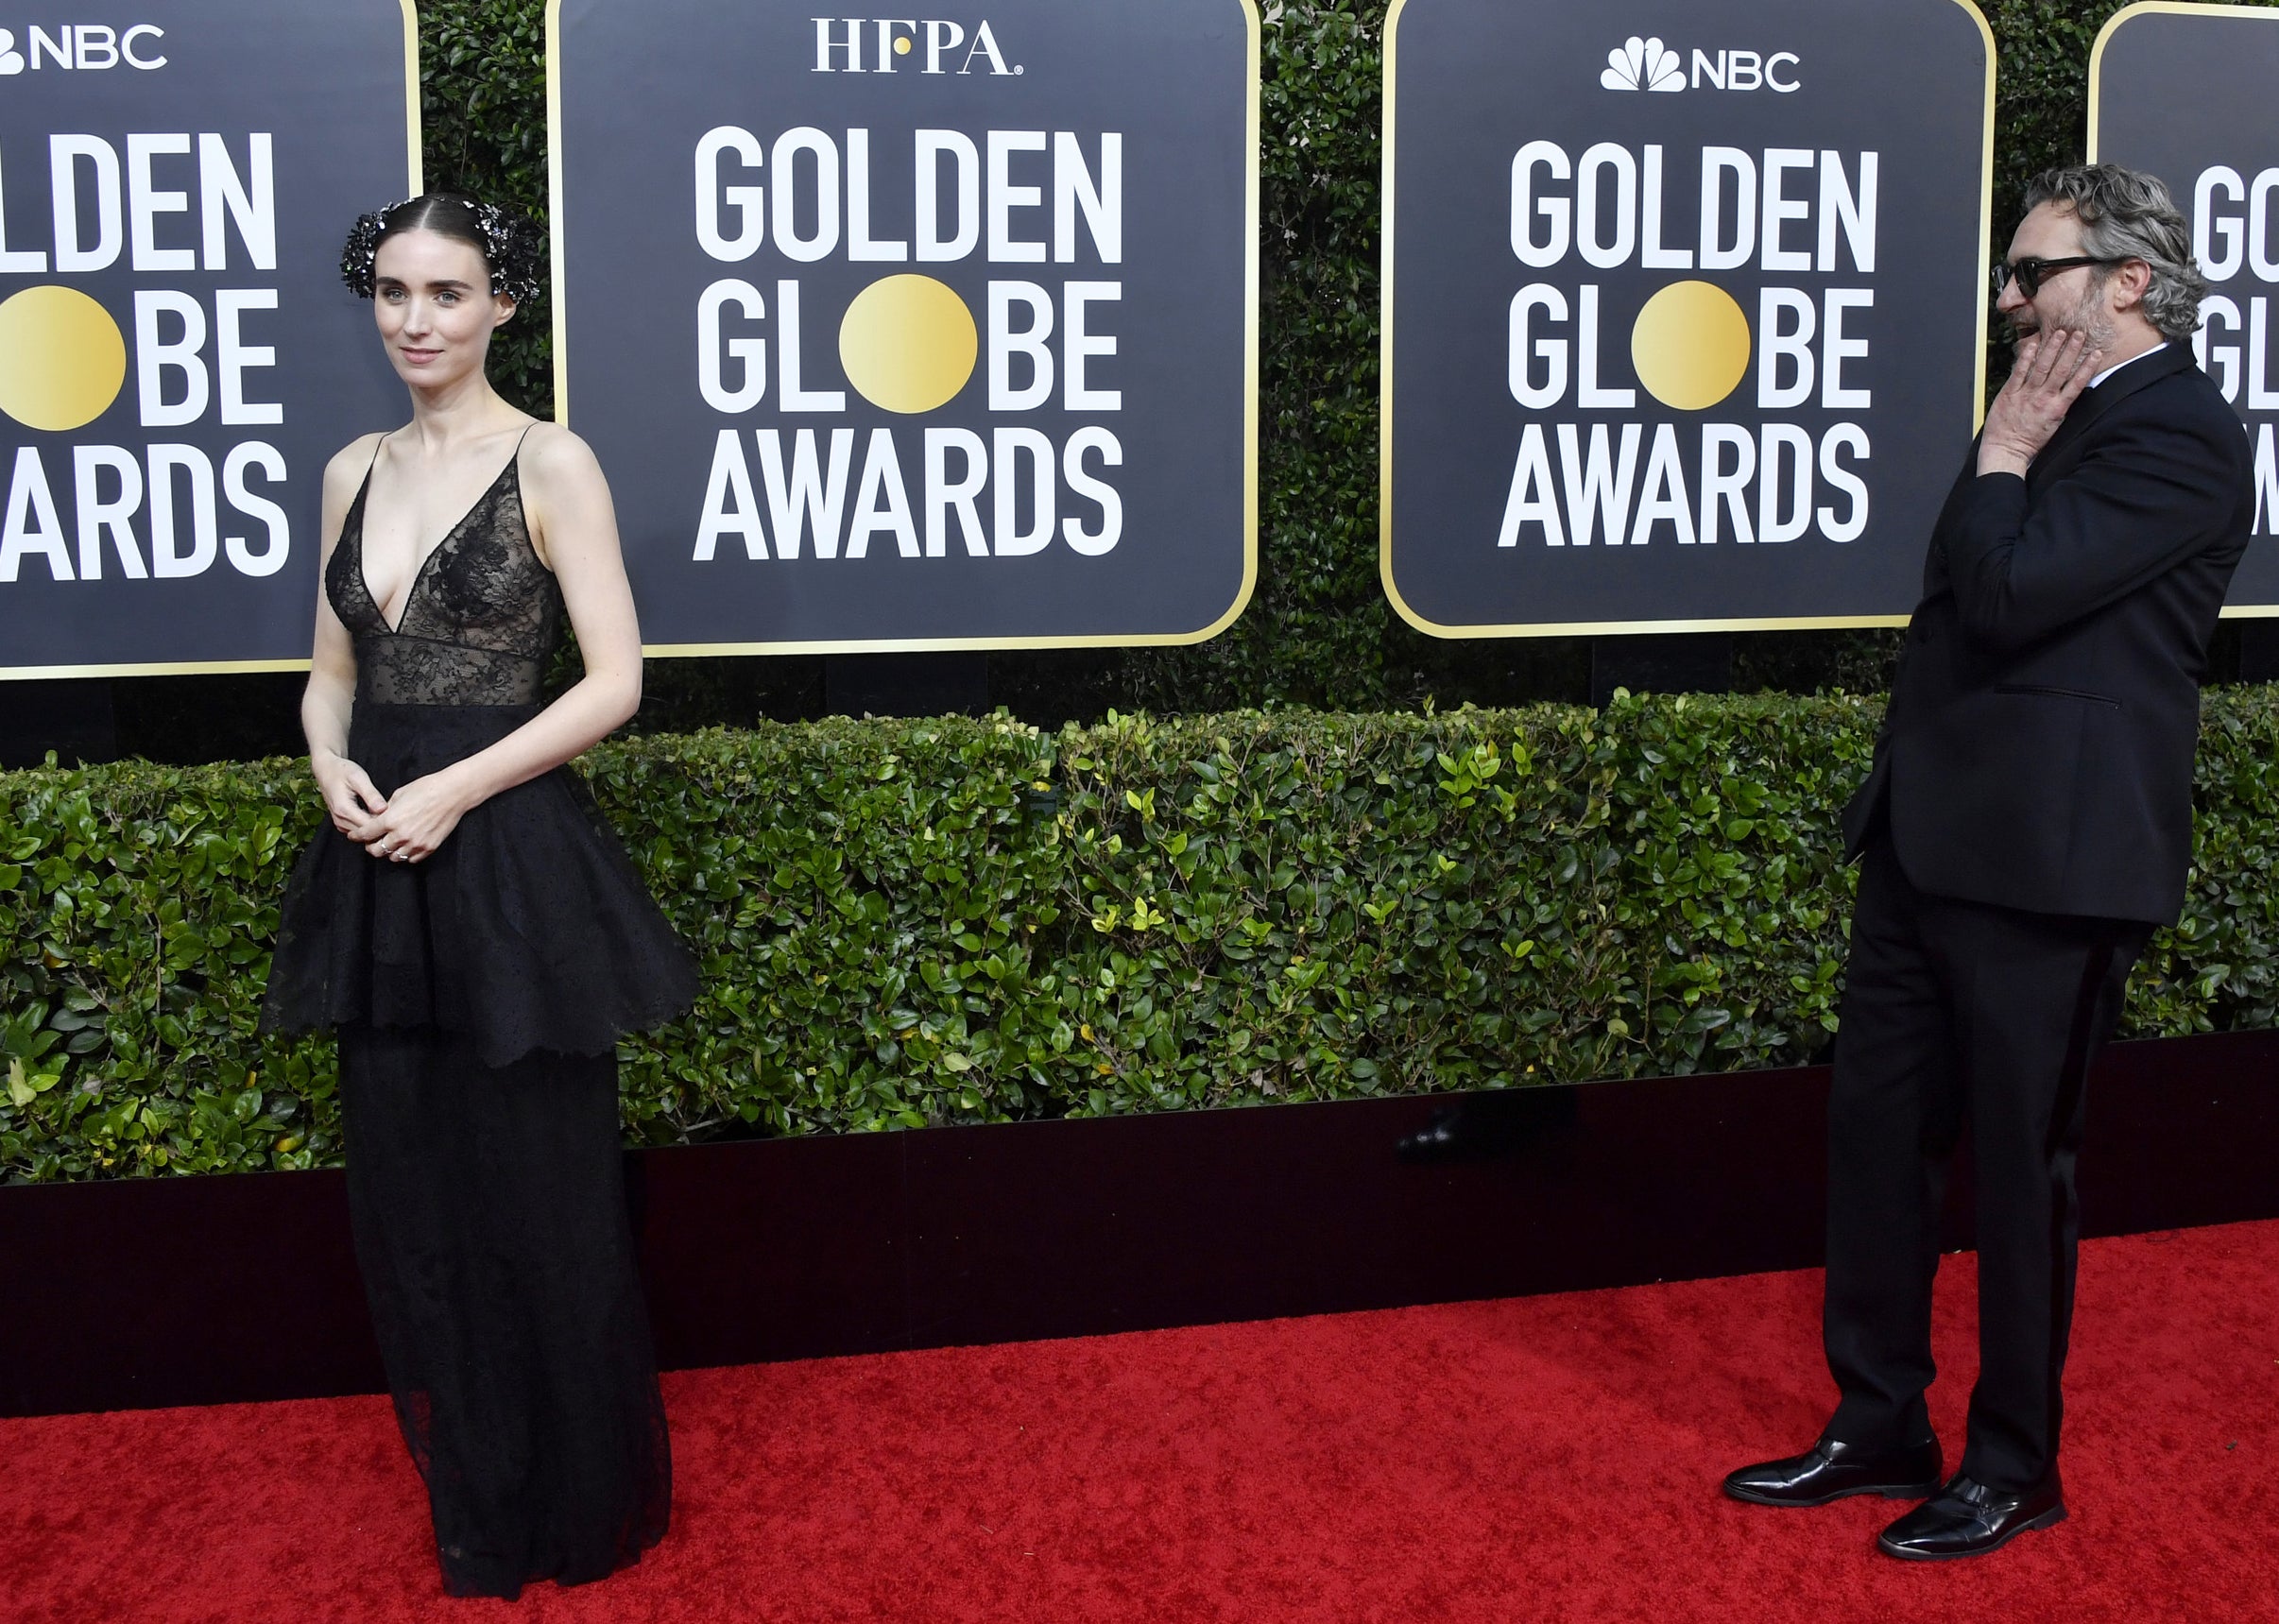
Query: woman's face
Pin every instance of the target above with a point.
(431, 295)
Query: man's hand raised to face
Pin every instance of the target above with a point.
(2052, 370)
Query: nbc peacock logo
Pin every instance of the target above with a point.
(1643, 64)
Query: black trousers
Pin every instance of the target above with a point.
(1958, 1012)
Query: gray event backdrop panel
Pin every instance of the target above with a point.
(2185, 93)
(178, 356)
(1547, 170)
(823, 434)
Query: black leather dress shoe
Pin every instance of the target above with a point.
(1967, 1518)
(1829, 1471)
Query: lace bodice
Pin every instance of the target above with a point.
(482, 615)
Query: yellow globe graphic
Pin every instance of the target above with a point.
(908, 343)
(61, 358)
(1691, 346)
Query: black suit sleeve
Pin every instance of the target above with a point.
(2020, 568)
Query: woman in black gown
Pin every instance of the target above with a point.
(475, 933)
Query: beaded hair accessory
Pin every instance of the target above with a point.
(511, 246)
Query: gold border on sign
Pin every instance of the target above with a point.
(2096, 65)
(198, 668)
(413, 143)
(1599, 629)
(232, 667)
(554, 205)
(898, 645)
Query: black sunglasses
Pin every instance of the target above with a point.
(2029, 271)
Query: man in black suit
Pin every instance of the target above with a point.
(2027, 823)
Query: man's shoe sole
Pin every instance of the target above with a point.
(1889, 1490)
(2049, 1518)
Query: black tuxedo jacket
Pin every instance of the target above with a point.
(2037, 752)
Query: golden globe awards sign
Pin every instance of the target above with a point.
(2184, 93)
(178, 357)
(1684, 307)
(934, 330)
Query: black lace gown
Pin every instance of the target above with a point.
(478, 997)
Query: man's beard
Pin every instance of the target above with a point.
(2088, 316)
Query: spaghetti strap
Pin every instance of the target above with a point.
(367, 485)
(514, 464)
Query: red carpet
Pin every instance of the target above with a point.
(1547, 1458)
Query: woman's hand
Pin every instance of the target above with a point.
(418, 820)
(350, 797)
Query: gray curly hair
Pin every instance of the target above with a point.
(2127, 214)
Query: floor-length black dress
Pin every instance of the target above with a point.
(479, 996)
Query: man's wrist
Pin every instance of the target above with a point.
(2004, 460)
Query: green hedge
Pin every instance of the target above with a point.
(1223, 909)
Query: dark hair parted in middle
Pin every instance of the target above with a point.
(510, 245)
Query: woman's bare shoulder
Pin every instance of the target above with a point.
(554, 452)
(347, 469)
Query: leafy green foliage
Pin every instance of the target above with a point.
(483, 113)
(1218, 909)
(1317, 625)
(136, 909)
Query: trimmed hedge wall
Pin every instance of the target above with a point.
(1221, 909)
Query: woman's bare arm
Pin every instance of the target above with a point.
(327, 702)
